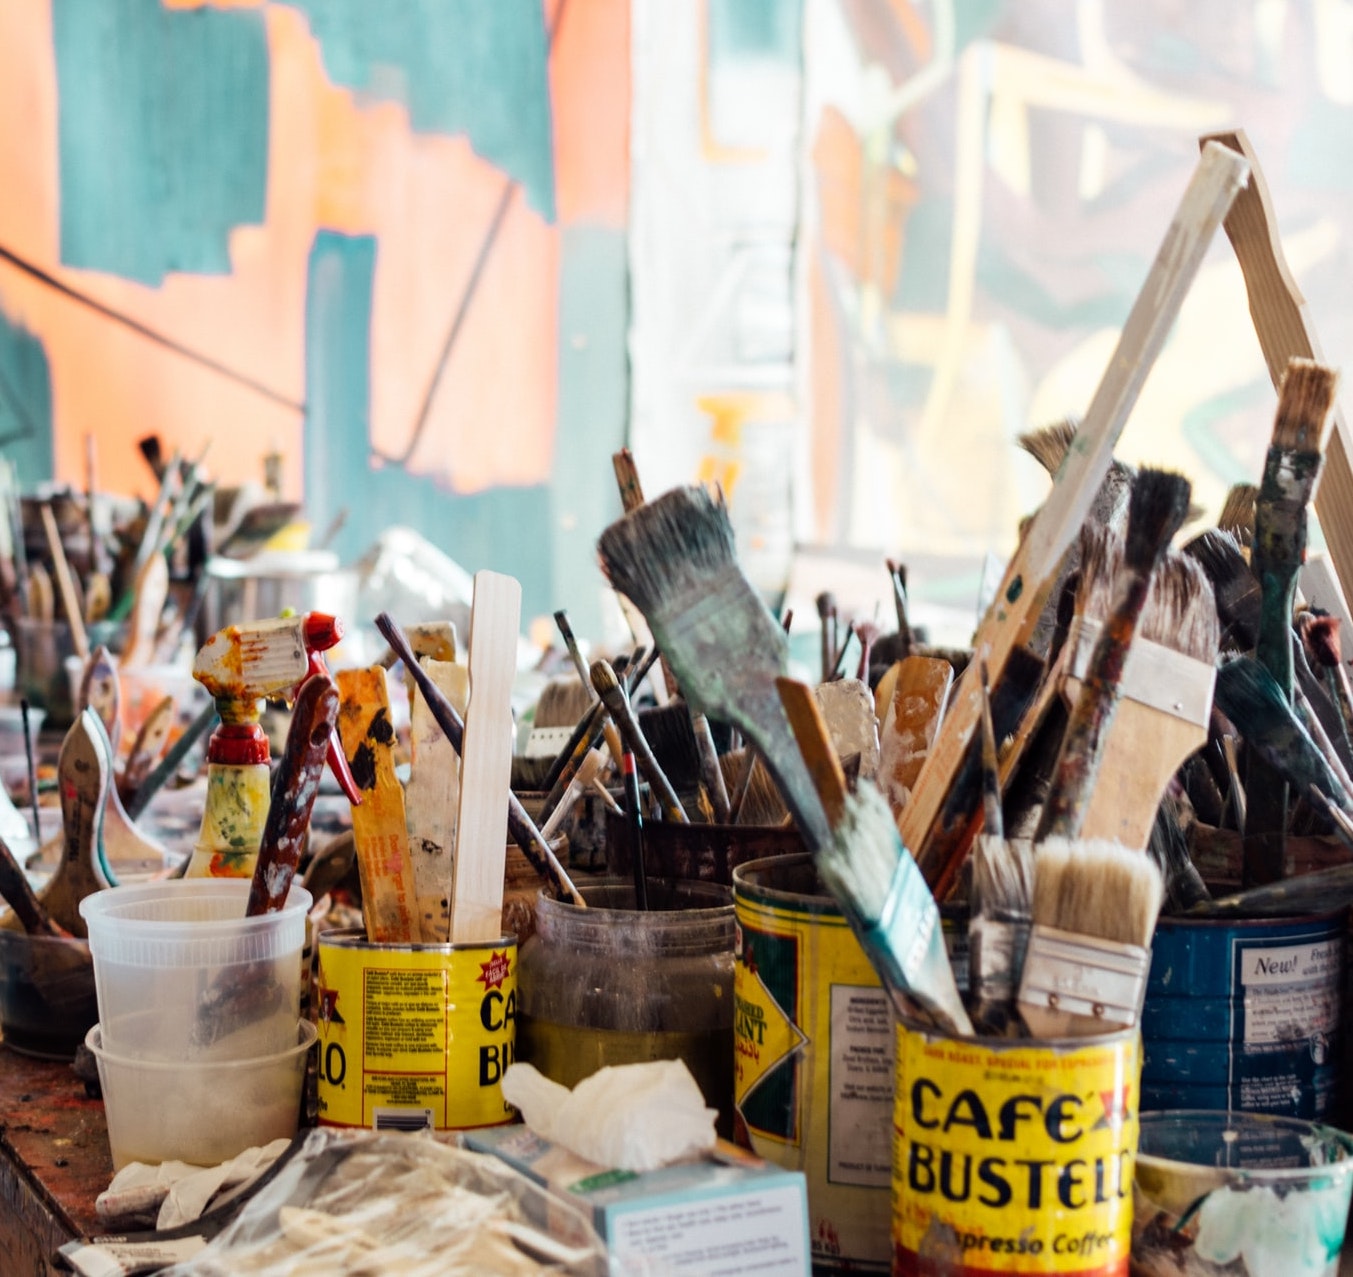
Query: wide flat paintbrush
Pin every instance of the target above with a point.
(675, 559)
(874, 878)
(1290, 472)
(1165, 690)
(1029, 578)
(1095, 901)
(1157, 507)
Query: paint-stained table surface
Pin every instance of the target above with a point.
(54, 1161)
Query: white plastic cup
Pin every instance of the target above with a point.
(204, 1114)
(182, 975)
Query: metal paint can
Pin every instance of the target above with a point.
(813, 1062)
(414, 1036)
(1245, 1015)
(1013, 1155)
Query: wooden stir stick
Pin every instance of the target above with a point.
(378, 827)
(486, 762)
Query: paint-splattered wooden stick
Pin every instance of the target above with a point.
(520, 826)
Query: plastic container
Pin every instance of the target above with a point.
(161, 1111)
(182, 974)
(1240, 1194)
(47, 1001)
(611, 985)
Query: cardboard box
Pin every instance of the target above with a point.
(729, 1214)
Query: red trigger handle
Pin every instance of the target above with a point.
(337, 760)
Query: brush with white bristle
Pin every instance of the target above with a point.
(1095, 905)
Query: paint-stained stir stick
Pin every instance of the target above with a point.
(295, 785)
(378, 825)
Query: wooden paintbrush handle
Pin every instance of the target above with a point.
(622, 715)
(148, 745)
(66, 584)
(295, 784)
(1286, 331)
(815, 744)
(100, 690)
(711, 774)
(84, 771)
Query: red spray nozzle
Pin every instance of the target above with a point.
(322, 631)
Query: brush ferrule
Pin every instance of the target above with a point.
(1085, 976)
(996, 951)
(1154, 675)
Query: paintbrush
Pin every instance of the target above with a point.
(622, 714)
(1250, 697)
(874, 879)
(148, 745)
(84, 774)
(756, 800)
(1165, 691)
(897, 578)
(920, 694)
(172, 760)
(1169, 848)
(634, 818)
(1321, 891)
(31, 763)
(1156, 509)
(1031, 574)
(1095, 905)
(675, 559)
(18, 893)
(1290, 472)
(1321, 634)
(1285, 330)
(1000, 899)
(520, 827)
(826, 615)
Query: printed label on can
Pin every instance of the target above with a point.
(415, 1038)
(1015, 1160)
(813, 1070)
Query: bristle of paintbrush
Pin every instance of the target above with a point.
(1169, 848)
(1237, 512)
(890, 908)
(1096, 888)
(1237, 592)
(755, 798)
(563, 701)
(1306, 399)
(1095, 906)
(1048, 444)
(675, 559)
(667, 728)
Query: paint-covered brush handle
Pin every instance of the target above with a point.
(613, 696)
(19, 895)
(520, 826)
(294, 788)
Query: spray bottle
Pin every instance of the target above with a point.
(240, 666)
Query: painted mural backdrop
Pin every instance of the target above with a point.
(386, 239)
(988, 181)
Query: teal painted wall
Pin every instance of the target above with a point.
(25, 403)
(163, 128)
(477, 67)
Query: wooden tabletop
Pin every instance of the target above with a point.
(54, 1161)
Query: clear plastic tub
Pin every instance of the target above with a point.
(182, 974)
(204, 1114)
(1241, 1194)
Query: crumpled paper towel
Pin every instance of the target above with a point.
(181, 1190)
(632, 1117)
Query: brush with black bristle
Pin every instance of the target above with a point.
(1156, 509)
(1169, 848)
(1095, 902)
(1165, 692)
(1291, 469)
(1000, 900)
(676, 560)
